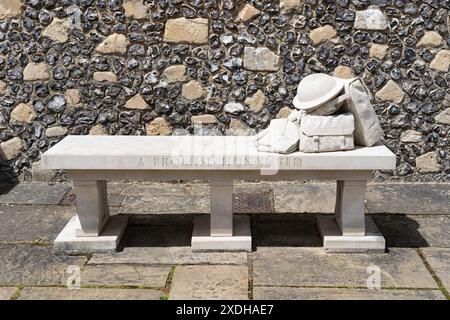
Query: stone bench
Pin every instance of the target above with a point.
(92, 160)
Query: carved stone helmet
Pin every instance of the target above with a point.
(315, 90)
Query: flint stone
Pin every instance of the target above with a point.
(260, 59)
(57, 103)
(136, 102)
(10, 8)
(115, 43)
(378, 51)
(442, 61)
(233, 107)
(23, 113)
(135, 9)
(176, 73)
(430, 39)
(256, 102)
(55, 131)
(322, 34)
(205, 119)
(159, 127)
(98, 130)
(428, 163)
(105, 76)
(248, 12)
(391, 92)
(36, 71)
(182, 30)
(370, 19)
(57, 30)
(11, 148)
(411, 136)
(343, 72)
(290, 5)
(192, 90)
(443, 117)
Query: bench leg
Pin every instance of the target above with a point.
(221, 231)
(91, 230)
(92, 207)
(350, 230)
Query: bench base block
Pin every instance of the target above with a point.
(68, 243)
(240, 241)
(333, 241)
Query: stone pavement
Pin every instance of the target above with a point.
(155, 260)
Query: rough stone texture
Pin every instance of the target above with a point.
(378, 51)
(442, 61)
(23, 113)
(55, 131)
(128, 40)
(210, 282)
(233, 107)
(411, 136)
(11, 148)
(248, 12)
(182, 30)
(105, 76)
(439, 260)
(89, 294)
(57, 30)
(443, 117)
(400, 268)
(428, 162)
(114, 43)
(34, 265)
(283, 293)
(192, 90)
(322, 34)
(125, 275)
(43, 223)
(73, 97)
(175, 73)
(36, 71)
(42, 175)
(290, 5)
(238, 128)
(159, 127)
(136, 102)
(10, 8)
(284, 112)
(343, 72)
(98, 130)
(391, 92)
(260, 59)
(135, 9)
(370, 19)
(35, 193)
(7, 292)
(205, 119)
(430, 39)
(256, 102)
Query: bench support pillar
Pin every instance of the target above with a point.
(221, 231)
(350, 230)
(92, 230)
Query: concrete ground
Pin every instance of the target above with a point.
(155, 260)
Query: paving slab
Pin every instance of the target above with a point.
(284, 266)
(34, 265)
(88, 294)
(210, 282)
(7, 292)
(163, 204)
(125, 275)
(32, 222)
(35, 193)
(415, 231)
(298, 197)
(168, 256)
(439, 260)
(114, 187)
(407, 198)
(285, 293)
(300, 231)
